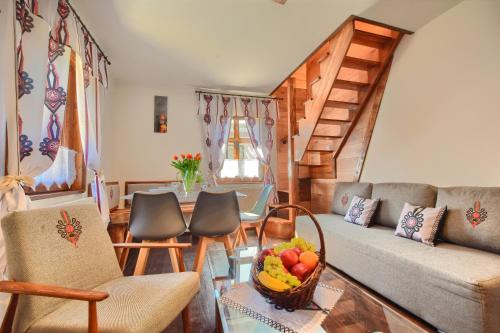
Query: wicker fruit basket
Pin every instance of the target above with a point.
(297, 297)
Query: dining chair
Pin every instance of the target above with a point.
(253, 218)
(215, 217)
(65, 254)
(154, 217)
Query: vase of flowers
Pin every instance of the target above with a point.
(188, 166)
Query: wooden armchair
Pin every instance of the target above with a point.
(50, 248)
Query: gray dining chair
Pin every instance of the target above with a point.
(215, 217)
(155, 217)
(254, 217)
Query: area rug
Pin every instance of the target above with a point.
(247, 300)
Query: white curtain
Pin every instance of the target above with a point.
(260, 115)
(215, 113)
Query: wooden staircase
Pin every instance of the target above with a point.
(341, 76)
(343, 79)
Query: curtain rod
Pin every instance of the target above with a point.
(236, 95)
(85, 27)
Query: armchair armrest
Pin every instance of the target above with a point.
(153, 245)
(28, 288)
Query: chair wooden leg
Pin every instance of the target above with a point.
(124, 254)
(237, 238)
(93, 328)
(243, 233)
(199, 259)
(180, 259)
(8, 319)
(142, 260)
(173, 255)
(186, 322)
(227, 242)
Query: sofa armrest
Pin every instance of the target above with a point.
(28, 288)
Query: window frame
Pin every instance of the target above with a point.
(236, 140)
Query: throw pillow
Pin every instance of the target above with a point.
(361, 211)
(420, 223)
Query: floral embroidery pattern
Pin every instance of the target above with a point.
(23, 17)
(476, 215)
(413, 221)
(25, 148)
(25, 84)
(344, 200)
(69, 228)
(357, 210)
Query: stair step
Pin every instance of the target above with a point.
(327, 121)
(319, 136)
(313, 165)
(352, 85)
(320, 150)
(369, 39)
(359, 63)
(344, 105)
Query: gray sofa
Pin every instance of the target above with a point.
(454, 286)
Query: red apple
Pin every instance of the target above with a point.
(289, 258)
(301, 271)
(297, 250)
(265, 253)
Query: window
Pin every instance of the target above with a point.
(241, 163)
(68, 172)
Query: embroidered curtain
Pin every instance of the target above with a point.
(215, 113)
(46, 35)
(260, 115)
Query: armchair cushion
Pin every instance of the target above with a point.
(64, 246)
(136, 304)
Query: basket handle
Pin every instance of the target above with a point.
(303, 209)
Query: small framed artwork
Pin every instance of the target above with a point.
(161, 114)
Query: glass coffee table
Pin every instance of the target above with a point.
(357, 310)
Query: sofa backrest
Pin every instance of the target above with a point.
(393, 197)
(473, 217)
(345, 191)
(63, 246)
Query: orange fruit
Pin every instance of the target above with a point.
(309, 258)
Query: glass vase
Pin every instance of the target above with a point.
(189, 178)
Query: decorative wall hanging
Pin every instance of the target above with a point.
(161, 114)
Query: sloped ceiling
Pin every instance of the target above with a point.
(248, 45)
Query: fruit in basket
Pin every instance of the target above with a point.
(272, 283)
(309, 258)
(289, 258)
(274, 267)
(301, 271)
(264, 254)
(296, 242)
(297, 250)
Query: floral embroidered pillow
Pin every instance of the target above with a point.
(420, 223)
(361, 211)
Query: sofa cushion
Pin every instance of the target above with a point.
(361, 211)
(393, 197)
(345, 191)
(135, 304)
(420, 223)
(463, 281)
(473, 217)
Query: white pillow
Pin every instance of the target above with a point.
(361, 211)
(419, 223)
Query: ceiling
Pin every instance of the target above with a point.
(242, 45)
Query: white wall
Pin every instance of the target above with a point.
(439, 121)
(138, 153)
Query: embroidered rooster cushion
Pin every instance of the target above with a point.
(361, 211)
(420, 223)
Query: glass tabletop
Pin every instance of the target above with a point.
(356, 310)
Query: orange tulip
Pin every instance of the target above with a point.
(183, 156)
(176, 157)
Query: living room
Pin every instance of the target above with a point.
(249, 166)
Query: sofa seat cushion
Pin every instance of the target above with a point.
(393, 196)
(136, 304)
(420, 278)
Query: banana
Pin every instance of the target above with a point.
(272, 283)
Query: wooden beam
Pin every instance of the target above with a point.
(293, 167)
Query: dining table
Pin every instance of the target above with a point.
(119, 218)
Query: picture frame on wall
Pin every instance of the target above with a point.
(161, 114)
